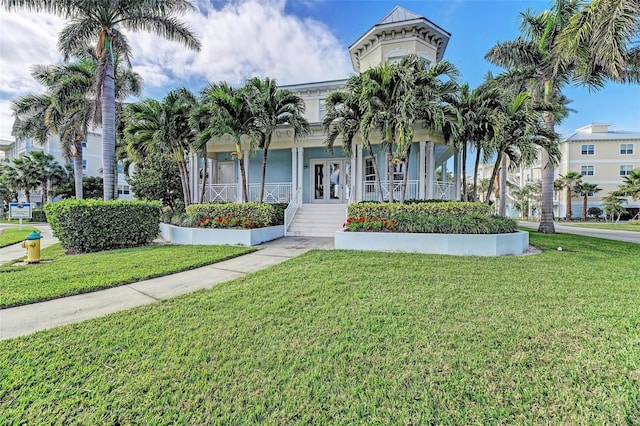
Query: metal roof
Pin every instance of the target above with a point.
(398, 14)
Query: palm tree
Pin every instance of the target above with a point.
(224, 110)
(275, 107)
(613, 207)
(163, 127)
(36, 170)
(570, 183)
(585, 189)
(535, 54)
(343, 118)
(631, 184)
(100, 21)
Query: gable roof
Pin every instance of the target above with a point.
(398, 14)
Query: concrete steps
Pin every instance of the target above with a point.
(318, 220)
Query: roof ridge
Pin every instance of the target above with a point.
(398, 14)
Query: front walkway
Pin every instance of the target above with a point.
(28, 319)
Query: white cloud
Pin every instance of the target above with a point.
(240, 39)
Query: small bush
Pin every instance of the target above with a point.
(37, 215)
(428, 208)
(94, 225)
(634, 222)
(260, 212)
(595, 212)
(278, 213)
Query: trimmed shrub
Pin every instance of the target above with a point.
(37, 215)
(468, 224)
(429, 208)
(84, 226)
(260, 212)
(278, 213)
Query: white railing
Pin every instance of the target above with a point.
(220, 192)
(273, 192)
(292, 208)
(444, 191)
(371, 192)
(279, 192)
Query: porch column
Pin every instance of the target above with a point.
(456, 174)
(247, 162)
(422, 161)
(193, 176)
(430, 168)
(294, 169)
(300, 167)
(358, 173)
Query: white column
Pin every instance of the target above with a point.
(456, 174)
(422, 161)
(193, 176)
(300, 167)
(430, 168)
(247, 162)
(359, 174)
(294, 169)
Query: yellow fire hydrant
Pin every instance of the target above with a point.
(32, 244)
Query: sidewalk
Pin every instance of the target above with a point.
(28, 319)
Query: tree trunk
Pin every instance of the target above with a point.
(204, 176)
(569, 212)
(390, 172)
(184, 181)
(405, 175)
(243, 174)
(584, 207)
(265, 152)
(475, 175)
(546, 214)
(108, 130)
(376, 173)
(502, 207)
(494, 173)
(465, 195)
(77, 174)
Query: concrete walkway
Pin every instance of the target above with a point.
(28, 319)
(608, 234)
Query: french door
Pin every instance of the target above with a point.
(331, 181)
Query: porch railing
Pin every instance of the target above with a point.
(292, 208)
(279, 192)
(371, 193)
(444, 191)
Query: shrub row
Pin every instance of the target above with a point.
(424, 209)
(469, 224)
(261, 212)
(93, 225)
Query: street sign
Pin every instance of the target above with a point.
(20, 210)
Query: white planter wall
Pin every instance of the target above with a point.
(453, 244)
(204, 236)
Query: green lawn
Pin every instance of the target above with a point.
(613, 226)
(336, 337)
(82, 273)
(11, 236)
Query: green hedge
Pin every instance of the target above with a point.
(261, 212)
(93, 225)
(431, 209)
(37, 215)
(469, 224)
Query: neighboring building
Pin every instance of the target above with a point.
(601, 156)
(319, 177)
(91, 158)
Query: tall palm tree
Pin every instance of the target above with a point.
(585, 189)
(631, 185)
(570, 183)
(275, 107)
(102, 22)
(163, 127)
(224, 110)
(343, 118)
(535, 54)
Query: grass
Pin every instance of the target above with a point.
(68, 275)
(336, 337)
(11, 236)
(613, 226)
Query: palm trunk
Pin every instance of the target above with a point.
(502, 206)
(475, 175)
(546, 214)
(265, 152)
(465, 196)
(184, 181)
(77, 173)
(108, 130)
(243, 175)
(204, 176)
(376, 173)
(494, 173)
(390, 170)
(584, 207)
(569, 213)
(405, 176)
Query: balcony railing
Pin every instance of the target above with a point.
(273, 192)
(441, 190)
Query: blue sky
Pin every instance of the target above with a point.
(297, 41)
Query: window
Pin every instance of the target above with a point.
(588, 150)
(84, 143)
(322, 109)
(369, 171)
(123, 190)
(626, 149)
(119, 168)
(626, 169)
(398, 171)
(84, 165)
(587, 170)
(393, 60)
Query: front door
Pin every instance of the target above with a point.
(331, 181)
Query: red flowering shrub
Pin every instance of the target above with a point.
(365, 224)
